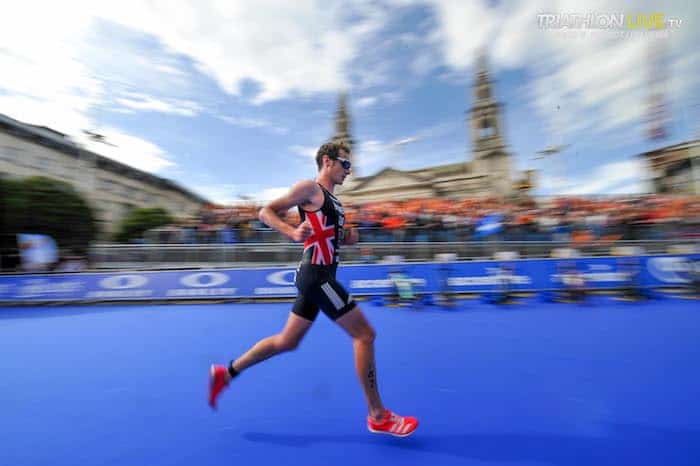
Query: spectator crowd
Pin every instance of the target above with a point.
(575, 219)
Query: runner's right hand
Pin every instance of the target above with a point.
(302, 232)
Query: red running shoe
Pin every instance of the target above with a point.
(217, 382)
(393, 424)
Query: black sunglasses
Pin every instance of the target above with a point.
(344, 162)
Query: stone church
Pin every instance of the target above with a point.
(488, 173)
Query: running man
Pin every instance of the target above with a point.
(321, 230)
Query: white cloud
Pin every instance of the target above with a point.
(626, 177)
(247, 122)
(366, 101)
(391, 97)
(168, 69)
(233, 194)
(304, 151)
(438, 130)
(301, 47)
(405, 141)
(47, 81)
(372, 155)
(55, 69)
(129, 150)
(221, 194)
(599, 81)
(633, 187)
(43, 80)
(137, 101)
(269, 194)
(373, 147)
(550, 184)
(423, 63)
(382, 99)
(464, 27)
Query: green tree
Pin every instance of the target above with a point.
(140, 220)
(9, 190)
(12, 203)
(51, 207)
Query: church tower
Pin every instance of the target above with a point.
(490, 153)
(342, 127)
(342, 122)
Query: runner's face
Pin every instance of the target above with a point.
(339, 170)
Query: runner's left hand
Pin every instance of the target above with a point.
(352, 236)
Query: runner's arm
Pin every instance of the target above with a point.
(299, 194)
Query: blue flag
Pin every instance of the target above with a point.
(489, 225)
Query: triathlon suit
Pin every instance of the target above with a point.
(315, 277)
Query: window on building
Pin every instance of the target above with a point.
(486, 129)
(69, 172)
(44, 163)
(109, 185)
(11, 154)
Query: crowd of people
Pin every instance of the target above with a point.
(576, 219)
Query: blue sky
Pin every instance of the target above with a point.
(231, 99)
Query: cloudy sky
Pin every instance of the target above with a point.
(231, 99)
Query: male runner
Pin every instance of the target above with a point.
(322, 232)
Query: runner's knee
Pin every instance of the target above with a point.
(367, 335)
(286, 343)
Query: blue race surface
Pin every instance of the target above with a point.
(533, 384)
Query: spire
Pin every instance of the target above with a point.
(482, 64)
(342, 131)
(342, 122)
(482, 81)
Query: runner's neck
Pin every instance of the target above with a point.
(326, 184)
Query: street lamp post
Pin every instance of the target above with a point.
(401, 144)
(556, 149)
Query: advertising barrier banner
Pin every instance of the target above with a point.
(455, 277)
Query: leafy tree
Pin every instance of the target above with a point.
(8, 246)
(139, 221)
(51, 207)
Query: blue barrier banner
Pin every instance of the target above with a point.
(455, 277)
